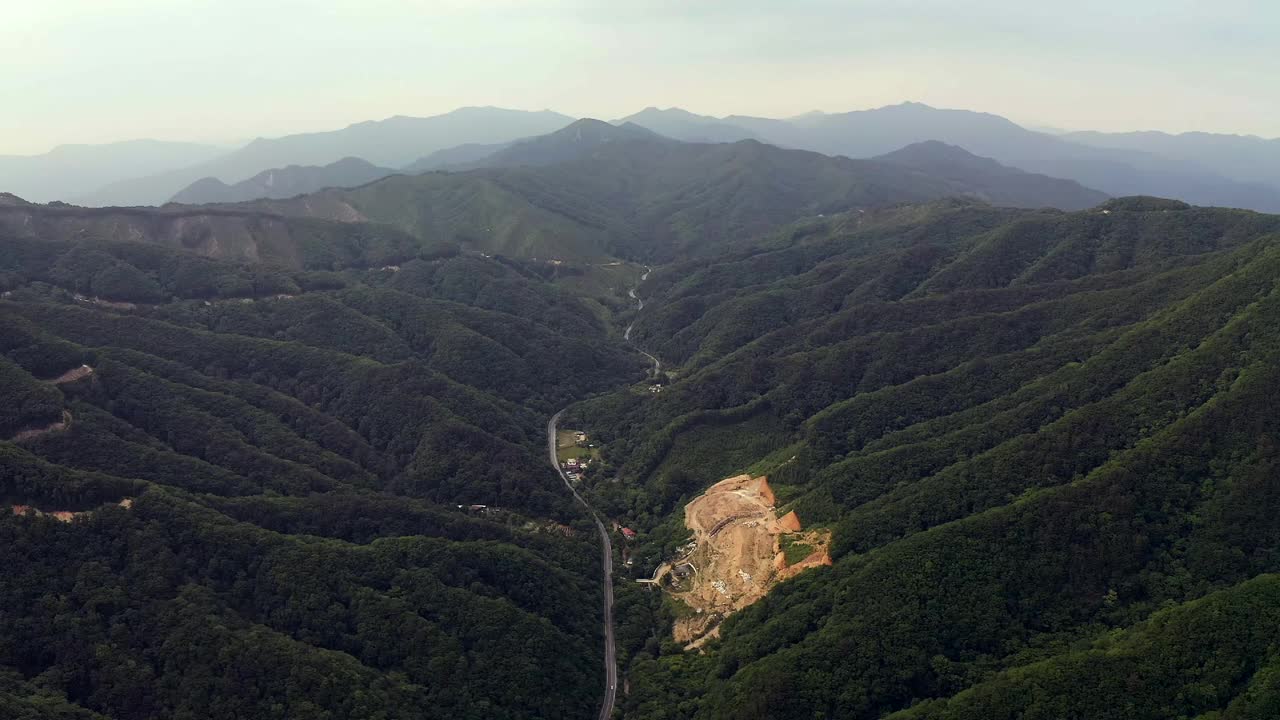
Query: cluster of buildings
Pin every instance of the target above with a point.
(574, 467)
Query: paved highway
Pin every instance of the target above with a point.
(606, 561)
(606, 547)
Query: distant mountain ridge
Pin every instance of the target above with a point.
(71, 170)
(576, 141)
(454, 157)
(684, 125)
(568, 143)
(1200, 168)
(393, 142)
(283, 183)
(1116, 171)
(1245, 157)
(593, 189)
(991, 181)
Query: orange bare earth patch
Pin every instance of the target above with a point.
(65, 516)
(72, 375)
(51, 427)
(735, 557)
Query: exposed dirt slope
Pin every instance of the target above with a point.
(736, 556)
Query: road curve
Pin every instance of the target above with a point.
(657, 365)
(606, 547)
(606, 562)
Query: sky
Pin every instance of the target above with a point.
(225, 71)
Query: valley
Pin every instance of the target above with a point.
(892, 437)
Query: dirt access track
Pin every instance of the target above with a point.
(736, 554)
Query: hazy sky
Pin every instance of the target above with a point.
(229, 70)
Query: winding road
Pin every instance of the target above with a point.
(606, 547)
(657, 364)
(606, 561)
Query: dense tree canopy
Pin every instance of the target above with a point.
(1043, 442)
(295, 539)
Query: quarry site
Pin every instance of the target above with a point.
(740, 549)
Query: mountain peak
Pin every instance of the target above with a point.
(681, 124)
(592, 131)
(671, 113)
(933, 151)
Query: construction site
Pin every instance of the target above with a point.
(736, 554)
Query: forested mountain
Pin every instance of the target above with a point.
(235, 235)
(596, 190)
(393, 142)
(1201, 168)
(462, 156)
(69, 171)
(286, 457)
(988, 179)
(575, 142)
(247, 494)
(283, 182)
(1043, 442)
(1116, 170)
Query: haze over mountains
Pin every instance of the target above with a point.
(596, 190)
(284, 182)
(1200, 168)
(68, 172)
(589, 191)
(715, 383)
(392, 142)
(281, 449)
(1119, 170)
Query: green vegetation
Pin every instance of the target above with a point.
(794, 550)
(568, 447)
(574, 451)
(236, 235)
(647, 198)
(1190, 660)
(294, 546)
(1043, 442)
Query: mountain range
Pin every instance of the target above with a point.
(1201, 168)
(282, 183)
(1121, 169)
(1040, 440)
(392, 142)
(593, 189)
(291, 456)
(74, 171)
(1243, 157)
(312, 452)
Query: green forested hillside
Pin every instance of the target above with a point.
(1044, 443)
(295, 452)
(282, 182)
(587, 192)
(1202, 655)
(237, 236)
